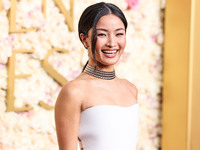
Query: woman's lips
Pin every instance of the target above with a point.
(109, 53)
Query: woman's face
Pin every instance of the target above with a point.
(111, 41)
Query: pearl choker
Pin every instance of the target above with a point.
(107, 75)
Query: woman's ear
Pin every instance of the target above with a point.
(84, 41)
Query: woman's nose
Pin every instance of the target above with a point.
(111, 41)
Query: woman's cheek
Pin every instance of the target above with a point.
(100, 43)
(122, 43)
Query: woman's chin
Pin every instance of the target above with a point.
(108, 62)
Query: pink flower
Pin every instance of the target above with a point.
(154, 38)
(132, 4)
(1, 66)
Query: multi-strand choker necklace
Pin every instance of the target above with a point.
(107, 75)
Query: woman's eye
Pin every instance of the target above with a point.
(118, 34)
(101, 34)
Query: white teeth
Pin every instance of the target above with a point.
(110, 52)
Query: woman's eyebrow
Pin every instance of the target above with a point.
(107, 30)
(102, 29)
(119, 29)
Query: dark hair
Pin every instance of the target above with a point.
(91, 16)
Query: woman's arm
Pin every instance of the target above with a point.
(67, 116)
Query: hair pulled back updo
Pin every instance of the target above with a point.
(91, 16)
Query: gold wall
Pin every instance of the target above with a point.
(181, 90)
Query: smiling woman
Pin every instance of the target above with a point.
(110, 44)
(98, 108)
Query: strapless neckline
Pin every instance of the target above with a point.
(109, 127)
(109, 106)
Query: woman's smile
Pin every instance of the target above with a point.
(109, 53)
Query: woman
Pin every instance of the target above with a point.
(97, 108)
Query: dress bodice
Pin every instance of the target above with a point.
(109, 127)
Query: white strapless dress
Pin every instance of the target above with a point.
(109, 127)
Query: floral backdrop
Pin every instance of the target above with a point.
(141, 64)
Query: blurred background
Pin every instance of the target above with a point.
(40, 51)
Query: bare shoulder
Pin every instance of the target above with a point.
(72, 92)
(128, 83)
(130, 86)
